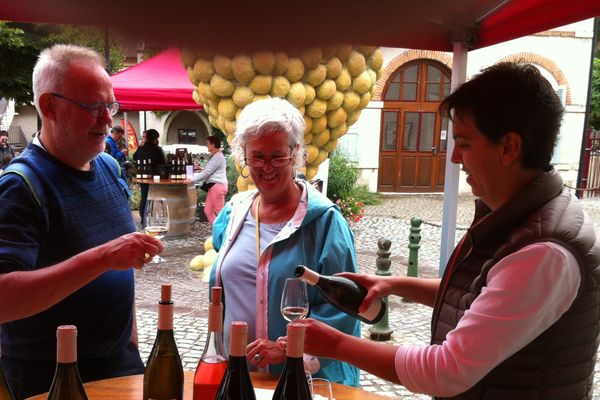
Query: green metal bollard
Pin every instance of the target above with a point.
(381, 330)
(413, 247)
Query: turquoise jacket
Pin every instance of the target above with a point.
(317, 236)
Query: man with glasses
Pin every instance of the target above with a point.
(61, 260)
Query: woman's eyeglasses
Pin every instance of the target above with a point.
(95, 109)
(277, 162)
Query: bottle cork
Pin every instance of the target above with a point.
(295, 340)
(215, 310)
(238, 339)
(66, 344)
(165, 292)
(165, 308)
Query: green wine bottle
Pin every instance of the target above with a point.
(163, 377)
(292, 384)
(67, 382)
(236, 383)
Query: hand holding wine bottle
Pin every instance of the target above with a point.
(343, 293)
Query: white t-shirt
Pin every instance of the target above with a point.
(526, 293)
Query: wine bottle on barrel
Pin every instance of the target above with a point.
(66, 383)
(236, 384)
(292, 382)
(344, 294)
(163, 377)
(213, 362)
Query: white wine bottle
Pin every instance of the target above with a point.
(67, 382)
(344, 294)
(292, 384)
(213, 362)
(236, 383)
(163, 377)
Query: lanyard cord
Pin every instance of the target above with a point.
(257, 230)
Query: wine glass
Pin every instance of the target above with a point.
(294, 301)
(157, 221)
(321, 389)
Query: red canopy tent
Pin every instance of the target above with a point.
(159, 83)
(237, 26)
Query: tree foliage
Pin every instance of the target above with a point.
(595, 98)
(20, 45)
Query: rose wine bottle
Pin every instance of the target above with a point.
(213, 362)
(292, 382)
(343, 293)
(163, 378)
(66, 383)
(236, 383)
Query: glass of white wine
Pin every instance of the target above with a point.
(321, 389)
(157, 221)
(294, 301)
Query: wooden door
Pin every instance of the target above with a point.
(413, 135)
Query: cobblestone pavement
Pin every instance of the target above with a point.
(409, 322)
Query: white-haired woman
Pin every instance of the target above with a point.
(262, 235)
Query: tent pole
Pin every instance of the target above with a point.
(459, 74)
(126, 131)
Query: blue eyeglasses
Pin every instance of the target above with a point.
(95, 109)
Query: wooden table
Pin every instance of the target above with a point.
(181, 202)
(131, 388)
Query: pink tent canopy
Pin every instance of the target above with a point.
(159, 83)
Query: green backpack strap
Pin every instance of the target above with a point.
(116, 173)
(33, 182)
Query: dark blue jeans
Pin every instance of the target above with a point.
(144, 187)
(31, 377)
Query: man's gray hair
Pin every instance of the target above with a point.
(52, 65)
(267, 116)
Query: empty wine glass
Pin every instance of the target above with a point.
(157, 220)
(321, 389)
(294, 301)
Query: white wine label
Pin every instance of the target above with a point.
(372, 311)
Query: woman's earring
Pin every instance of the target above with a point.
(242, 172)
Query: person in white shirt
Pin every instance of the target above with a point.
(214, 175)
(515, 315)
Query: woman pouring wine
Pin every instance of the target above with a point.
(262, 235)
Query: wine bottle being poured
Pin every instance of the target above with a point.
(343, 293)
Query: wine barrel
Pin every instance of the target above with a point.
(181, 202)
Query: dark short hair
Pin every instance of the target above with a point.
(215, 141)
(117, 129)
(152, 135)
(511, 97)
(3, 133)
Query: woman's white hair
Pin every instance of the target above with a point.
(52, 65)
(267, 116)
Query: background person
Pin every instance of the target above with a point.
(61, 260)
(262, 235)
(515, 315)
(148, 150)
(214, 175)
(7, 153)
